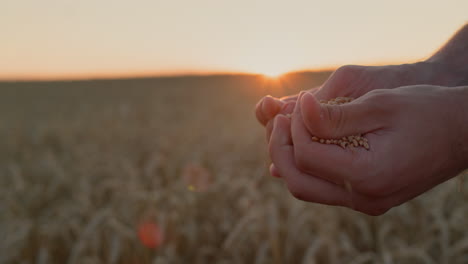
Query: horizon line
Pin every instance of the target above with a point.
(88, 76)
(148, 75)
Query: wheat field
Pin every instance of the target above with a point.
(83, 165)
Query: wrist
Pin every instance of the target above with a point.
(434, 72)
(460, 94)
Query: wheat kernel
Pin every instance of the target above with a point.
(355, 143)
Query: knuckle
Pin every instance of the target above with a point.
(378, 96)
(336, 118)
(345, 69)
(381, 101)
(384, 97)
(377, 92)
(340, 122)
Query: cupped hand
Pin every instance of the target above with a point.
(417, 140)
(353, 81)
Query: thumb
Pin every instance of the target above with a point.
(336, 121)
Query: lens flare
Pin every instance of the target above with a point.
(150, 234)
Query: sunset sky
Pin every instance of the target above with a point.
(92, 38)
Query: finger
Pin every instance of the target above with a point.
(329, 162)
(314, 189)
(339, 83)
(283, 133)
(325, 93)
(271, 107)
(293, 98)
(259, 114)
(289, 98)
(287, 108)
(267, 108)
(315, 90)
(269, 128)
(274, 171)
(303, 186)
(336, 121)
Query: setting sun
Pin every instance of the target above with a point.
(273, 73)
(273, 63)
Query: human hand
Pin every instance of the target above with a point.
(417, 137)
(355, 81)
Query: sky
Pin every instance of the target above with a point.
(92, 38)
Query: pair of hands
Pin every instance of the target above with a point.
(415, 134)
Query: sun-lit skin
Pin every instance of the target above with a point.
(403, 122)
(395, 169)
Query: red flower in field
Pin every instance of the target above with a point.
(150, 234)
(196, 177)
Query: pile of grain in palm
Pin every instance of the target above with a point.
(344, 142)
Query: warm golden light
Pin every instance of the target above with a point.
(243, 36)
(273, 73)
(270, 67)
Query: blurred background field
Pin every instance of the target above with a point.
(92, 170)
